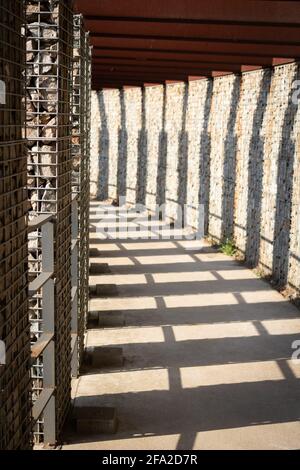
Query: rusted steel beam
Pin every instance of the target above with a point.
(166, 66)
(95, 36)
(196, 63)
(282, 60)
(196, 31)
(148, 85)
(193, 78)
(217, 73)
(189, 69)
(101, 83)
(274, 41)
(250, 68)
(144, 77)
(166, 72)
(254, 11)
(119, 84)
(274, 49)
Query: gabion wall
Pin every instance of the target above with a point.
(49, 40)
(231, 144)
(15, 407)
(84, 202)
(80, 159)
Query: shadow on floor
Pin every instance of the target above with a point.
(207, 356)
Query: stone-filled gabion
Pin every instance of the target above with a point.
(231, 144)
(80, 162)
(15, 406)
(49, 40)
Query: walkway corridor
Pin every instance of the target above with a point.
(207, 350)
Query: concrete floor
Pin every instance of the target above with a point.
(207, 349)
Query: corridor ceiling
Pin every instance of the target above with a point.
(138, 42)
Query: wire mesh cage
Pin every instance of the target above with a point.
(49, 38)
(86, 188)
(15, 407)
(85, 197)
(80, 171)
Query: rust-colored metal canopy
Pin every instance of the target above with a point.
(152, 41)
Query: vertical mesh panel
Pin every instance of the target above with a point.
(86, 182)
(15, 409)
(49, 31)
(88, 104)
(80, 174)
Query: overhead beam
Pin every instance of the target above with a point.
(143, 76)
(149, 29)
(165, 69)
(289, 39)
(173, 57)
(274, 49)
(166, 65)
(102, 82)
(272, 41)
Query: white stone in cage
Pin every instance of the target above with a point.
(2, 353)
(2, 92)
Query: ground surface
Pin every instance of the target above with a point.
(207, 349)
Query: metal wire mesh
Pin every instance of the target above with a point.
(15, 408)
(80, 173)
(49, 36)
(85, 195)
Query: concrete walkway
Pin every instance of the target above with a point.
(207, 349)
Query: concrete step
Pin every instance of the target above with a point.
(96, 420)
(94, 252)
(103, 290)
(101, 356)
(106, 319)
(111, 319)
(99, 268)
